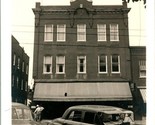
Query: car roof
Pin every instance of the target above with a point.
(97, 108)
(15, 104)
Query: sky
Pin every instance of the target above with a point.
(22, 22)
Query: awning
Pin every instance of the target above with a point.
(105, 91)
(143, 94)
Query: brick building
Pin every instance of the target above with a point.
(138, 65)
(81, 56)
(20, 66)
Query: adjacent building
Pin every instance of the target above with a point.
(138, 65)
(20, 66)
(81, 56)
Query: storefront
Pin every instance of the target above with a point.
(56, 97)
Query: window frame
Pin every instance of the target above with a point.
(115, 63)
(81, 32)
(47, 33)
(14, 59)
(58, 64)
(79, 64)
(59, 33)
(101, 33)
(44, 64)
(99, 64)
(114, 33)
(142, 68)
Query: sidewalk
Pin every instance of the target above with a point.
(140, 122)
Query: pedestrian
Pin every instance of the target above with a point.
(37, 112)
(128, 120)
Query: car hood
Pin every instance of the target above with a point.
(24, 122)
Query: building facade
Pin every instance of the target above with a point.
(20, 69)
(138, 65)
(81, 56)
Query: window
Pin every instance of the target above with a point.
(48, 32)
(81, 32)
(101, 30)
(47, 68)
(61, 32)
(89, 117)
(18, 65)
(17, 82)
(75, 116)
(114, 35)
(115, 64)
(22, 85)
(26, 86)
(13, 80)
(142, 69)
(81, 64)
(60, 64)
(14, 59)
(102, 64)
(27, 69)
(23, 66)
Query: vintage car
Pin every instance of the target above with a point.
(22, 115)
(92, 115)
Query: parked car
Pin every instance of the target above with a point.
(22, 115)
(92, 115)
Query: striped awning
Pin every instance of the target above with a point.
(143, 94)
(105, 91)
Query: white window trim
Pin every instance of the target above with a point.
(144, 68)
(18, 64)
(45, 67)
(45, 39)
(117, 32)
(85, 64)
(99, 66)
(57, 71)
(14, 59)
(27, 69)
(101, 40)
(62, 32)
(84, 40)
(118, 66)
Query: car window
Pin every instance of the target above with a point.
(21, 113)
(75, 116)
(89, 117)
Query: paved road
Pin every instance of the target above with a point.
(137, 122)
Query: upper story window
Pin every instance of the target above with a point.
(101, 32)
(142, 69)
(18, 65)
(23, 66)
(114, 32)
(81, 64)
(102, 64)
(13, 80)
(81, 32)
(61, 32)
(26, 86)
(27, 69)
(17, 82)
(48, 36)
(47, 66)
(22, 85)
(14, 59)
(115, 63)
(60, 64)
